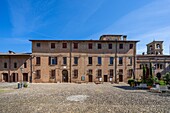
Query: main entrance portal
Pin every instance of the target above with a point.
(65, 75)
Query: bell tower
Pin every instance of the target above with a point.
(155, 48)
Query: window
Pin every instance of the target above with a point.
(99, 46)
(15, 65)
(130, 60)
(130, 46)
(76, 60)
(38, 61)
(99, 73)
(120, 60)
(111, 60)
(158, 46)
(52, 45)
(99, 60)
(141, 66)
(120, 71)
(25, 65)
(52, 74)
(120, 46)
(90, 60)
(75, 45)
(90, 46)
(38, 74)
(90, 72)
(38, 44)
(161, 66)
(75, 73)
(52, 60)
(64, 60)
(109, 46)
(130, 71)
(64, 45)
(111, 73)
(5, 65)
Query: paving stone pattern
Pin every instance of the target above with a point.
(89, 98)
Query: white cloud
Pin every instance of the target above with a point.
(148, 23)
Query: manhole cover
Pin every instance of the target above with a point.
(77, 98)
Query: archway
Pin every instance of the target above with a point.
(65, 76)
(158, 75)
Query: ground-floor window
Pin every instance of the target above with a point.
(38, 74)
(52, 74)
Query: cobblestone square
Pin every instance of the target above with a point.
(80, 98)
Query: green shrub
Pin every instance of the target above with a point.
(131, 82)
(162, 82)
(25, 85)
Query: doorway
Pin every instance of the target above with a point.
(65, 76)
(25, 77)
(105, 78)
(5, 77)
(90, 78)
(120, 78)
(14, 77)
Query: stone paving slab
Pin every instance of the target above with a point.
(81, 98)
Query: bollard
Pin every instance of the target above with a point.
(18, 85)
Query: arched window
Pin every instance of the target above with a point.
(158, 46)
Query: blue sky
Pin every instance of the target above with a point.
(21, 20)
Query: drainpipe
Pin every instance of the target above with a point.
(116, 63)
(70, 58)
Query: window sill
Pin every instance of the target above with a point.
(37, 64)
(129, 65)
(52, 64)
(110, 65)
(98, 65)
(120, 64)
(64, 65)
(75, 65)
(89, 65)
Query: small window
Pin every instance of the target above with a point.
(38, 61)
(161, 66)
(76, 73)
(90, 46)
(90, 60)
(64, 45)
(38, 44)
(15, 65)
(38, 74)
(120, 60)
(141, 66)
(52, 74)
(99, 60)
(90, 72)
(5, 65)
(99, 46)
(99, 73)
(25, 65)
(130, 60)
(76, 60)
(52, 45)
(111, 73)
(109, 46)
(120, 46)
(130, 46)
(157, 46)
(75, 45)
(52, 60)
(64, 60)
(111, 60)
(130, 71)
(120, 71)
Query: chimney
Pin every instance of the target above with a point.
(124, 37)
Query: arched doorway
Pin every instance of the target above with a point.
(65, 76)
(158, 75)
(5, 77)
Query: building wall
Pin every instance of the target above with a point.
(10, 60)
(45, 51)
